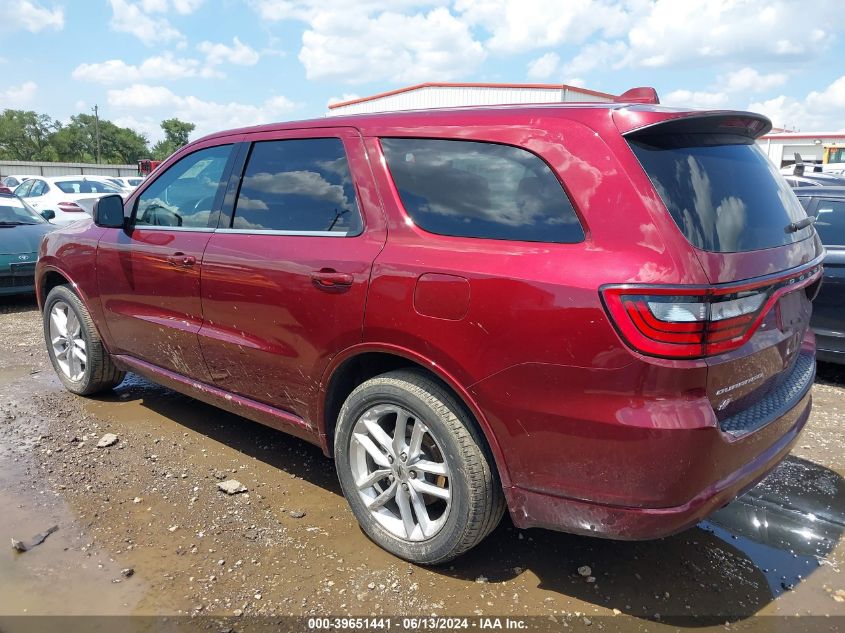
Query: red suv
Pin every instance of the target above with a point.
(593, 314)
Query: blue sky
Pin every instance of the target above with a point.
(227, 63)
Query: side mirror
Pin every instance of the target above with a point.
(108, 212)
(48, 214)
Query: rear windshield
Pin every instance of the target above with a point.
(724, 196)
(86, 186)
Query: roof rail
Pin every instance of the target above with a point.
(643, 94)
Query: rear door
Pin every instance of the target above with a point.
(829, 307)
(285, 277)
(149, 273)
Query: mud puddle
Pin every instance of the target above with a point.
(66, 574)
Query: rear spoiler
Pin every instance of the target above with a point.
(636, 122)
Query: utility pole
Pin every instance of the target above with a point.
(97, 129)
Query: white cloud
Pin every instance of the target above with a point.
(276, 10)
(167, 67)
(600, 54)
(130, 18)
(162, 67)
(183, 7)
(149, 126)
(346, 96)
(749, 80)
(186, 6)
(669, 32)
(208, 116)
(413, 40)
(18, 96)
(544, 66)
(30, 16)
(239, 53)
(696, 99)
(521, 25)
(388, 47)
(819, 111)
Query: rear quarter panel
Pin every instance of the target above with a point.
(530, 324)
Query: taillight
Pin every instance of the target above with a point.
(693, 322)
(70, 207)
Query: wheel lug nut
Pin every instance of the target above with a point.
(403, 456)
(404, 486)
(390, 459)
(412, 474)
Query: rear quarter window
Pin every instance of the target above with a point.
(725, 196)
(481, 190)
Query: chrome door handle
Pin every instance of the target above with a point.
(180, 259)
(329, 278)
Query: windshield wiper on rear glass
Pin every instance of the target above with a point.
(800, 224)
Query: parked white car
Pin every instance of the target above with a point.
(8, 183)
(13, 180)
(68, 197)
(129, 183)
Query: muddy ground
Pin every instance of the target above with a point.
(290, 545)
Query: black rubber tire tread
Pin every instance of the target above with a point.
(486, 501)
(101, 374)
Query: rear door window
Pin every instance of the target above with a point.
(723, 193)
(830, 222)
(483, 190)
(298, 186)
(39, 188)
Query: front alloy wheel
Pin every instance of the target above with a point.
(67, 341)
(74, 345)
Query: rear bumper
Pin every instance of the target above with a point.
(539, 509)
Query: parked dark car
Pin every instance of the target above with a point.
(827, 205)
(814, 180)
(21, 230)
(595, 315)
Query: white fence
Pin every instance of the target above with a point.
(35, 168)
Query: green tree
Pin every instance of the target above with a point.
(77, 142)
(26, 135)
(176, 135)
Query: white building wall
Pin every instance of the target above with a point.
(447, 96)
(37, 168)
(782, 147)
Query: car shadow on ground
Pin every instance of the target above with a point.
(13, 304)
(725, 569)
(830, 374)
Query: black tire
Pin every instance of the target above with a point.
(100, 373)
(477, 500)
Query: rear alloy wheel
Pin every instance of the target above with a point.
(74, 345)
(414, 469)
(400, 472)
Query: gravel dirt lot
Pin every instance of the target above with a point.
(289, 545)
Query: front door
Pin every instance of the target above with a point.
(149, 273)
(284, 283)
